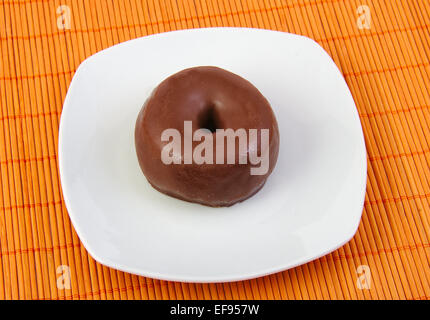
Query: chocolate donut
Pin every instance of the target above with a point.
(211, 99)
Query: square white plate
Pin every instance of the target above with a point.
(310, 205)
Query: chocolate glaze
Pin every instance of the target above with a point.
(211, 98)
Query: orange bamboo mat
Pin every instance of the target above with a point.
(387, 68)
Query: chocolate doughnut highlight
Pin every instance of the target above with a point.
(208, 136)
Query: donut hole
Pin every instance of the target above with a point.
(208, 119)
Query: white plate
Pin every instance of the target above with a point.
(310, 205)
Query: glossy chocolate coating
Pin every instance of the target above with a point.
(211, 98)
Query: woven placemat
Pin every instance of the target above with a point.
(382, 48)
